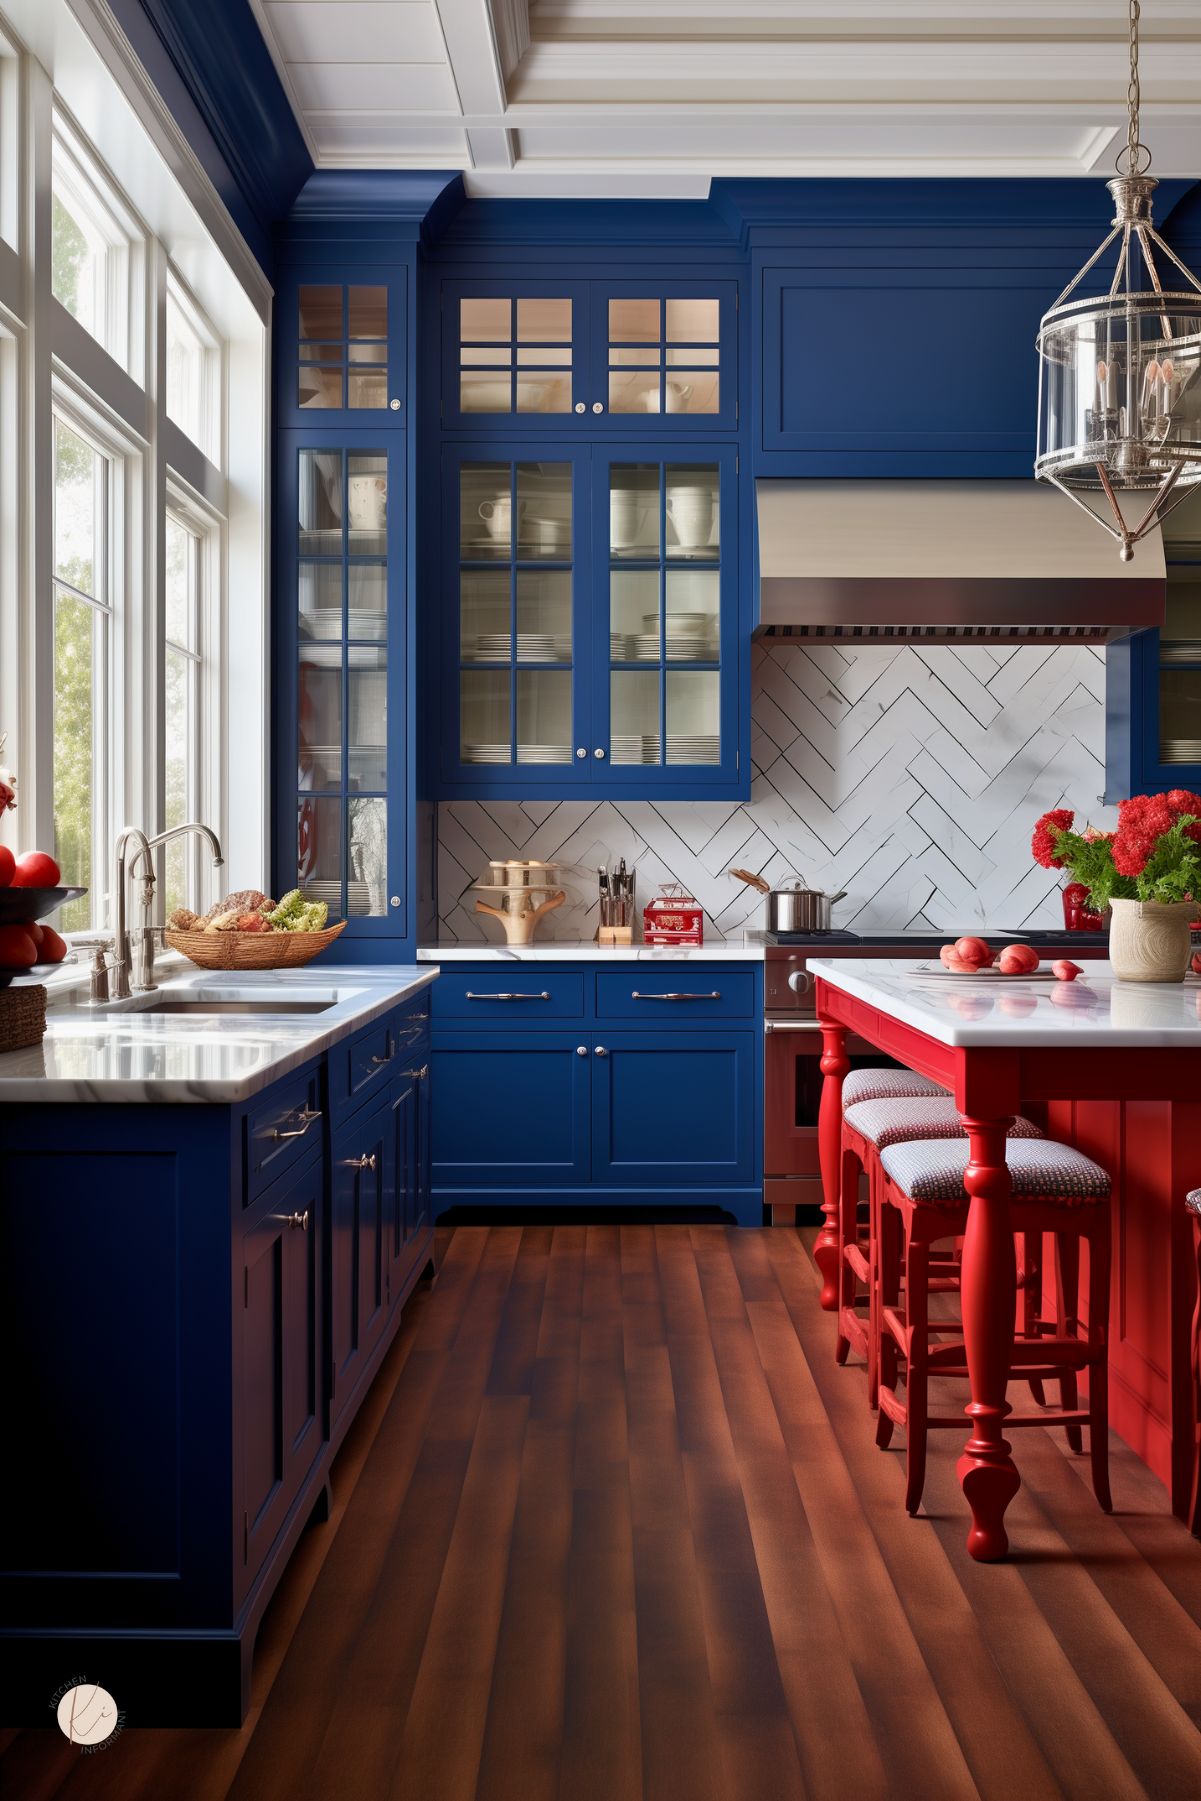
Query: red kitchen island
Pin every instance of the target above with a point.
(1115, 1068)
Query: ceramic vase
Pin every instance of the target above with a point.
(1149, 940)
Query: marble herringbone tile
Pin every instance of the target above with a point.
(910, 776)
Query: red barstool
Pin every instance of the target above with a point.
(1193, 1203)
(869, 1127)
(922, 1202)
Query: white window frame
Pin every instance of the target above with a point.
(207, 785)
(102, 212)
(210, 437)
(72, 95)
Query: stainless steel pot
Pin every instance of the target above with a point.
(800, 909)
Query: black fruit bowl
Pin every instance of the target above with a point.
(38, 973)
(17, 904)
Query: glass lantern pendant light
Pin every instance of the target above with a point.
(1119, 374)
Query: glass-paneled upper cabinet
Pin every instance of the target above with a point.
(344, 558)
(667, 628)
(516, 527)
(346, 339)
(1180, 668)
(657, 354)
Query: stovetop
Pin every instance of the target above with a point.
(916, 938)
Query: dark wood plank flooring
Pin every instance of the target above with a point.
(612, 1525)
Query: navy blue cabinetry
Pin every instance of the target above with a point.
(195, 1327)
(624, 1105)
(1153, 692)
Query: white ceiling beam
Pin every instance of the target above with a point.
(476, 65)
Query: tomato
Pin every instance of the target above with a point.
(36, 932)
(35, 870)
(8, 865)
(17, 949)
(1196, 963)
(1065, 971)
(52, 949)
(973, 951)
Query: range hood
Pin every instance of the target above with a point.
(946, 561)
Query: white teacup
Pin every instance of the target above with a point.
(691, 512)
(497, 515)
(678, 395)
(368, 500)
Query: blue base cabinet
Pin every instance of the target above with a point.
(204, 1295)
(615, 1108)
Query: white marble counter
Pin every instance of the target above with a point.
(122, 1053)
(747, 948)
(1095, 1010)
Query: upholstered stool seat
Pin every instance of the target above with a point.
(887, 1122)
(931, 1174)
(886, 1084)
(922, 1200)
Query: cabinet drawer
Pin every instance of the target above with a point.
(667, 998)
(365, 1064)
(502, 995)
(282, 1129)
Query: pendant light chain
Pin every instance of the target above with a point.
(1134, 149)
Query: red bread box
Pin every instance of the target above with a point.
(673, 917)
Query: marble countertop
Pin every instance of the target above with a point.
(122, 1053)
(749, 948)
(1096, 1009)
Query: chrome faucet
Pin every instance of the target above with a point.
(122, 957)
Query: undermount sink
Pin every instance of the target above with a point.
(210, 1002)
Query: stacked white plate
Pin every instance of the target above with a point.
(1181, 750)
(680, 625)
(539, 647)
(544, 753)
(486, 753)
(703, 748)
(619, 647)
(1180, 650)
(646, 647)
(631, 747)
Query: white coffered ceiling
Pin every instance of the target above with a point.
(655, 97)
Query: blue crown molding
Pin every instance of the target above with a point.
(409, 204)
(215, 73)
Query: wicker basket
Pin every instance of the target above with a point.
(253, 950)
(22, 1017)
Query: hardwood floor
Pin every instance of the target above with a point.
(612, 1525)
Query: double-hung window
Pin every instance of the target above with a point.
(183, 696)
(82, 656)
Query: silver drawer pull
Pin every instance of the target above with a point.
(381, 1061)
(715, 996)
(307, 1116)
(418, 1075)
(544, 996)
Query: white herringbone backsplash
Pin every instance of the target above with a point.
(910, 777)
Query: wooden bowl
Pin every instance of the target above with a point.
(253, 950)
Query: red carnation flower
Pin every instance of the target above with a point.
(1182, 801)
(1046, 836)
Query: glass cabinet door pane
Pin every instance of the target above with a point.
(634, 634)
(367, 859)
(367, 312)
(634, 510)
(485, 629)
(693, 512)
(693, 615)
(367, 722)
(367, 599)
(485, 716)
(535, 333)
(319, 716)
(486, 321)
(544, 616)
(319, 385)
(485, 511)
(319, 599)
(1180, 715)
(693, 716)
(321, 503)
(367, 503)
(319, 851)
(664, 356)
(544, 511)
(634, 716)
(544, 716)
(321, 312)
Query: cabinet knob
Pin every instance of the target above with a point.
(581, 1050)
(394, 404)
(580, 751)
(598, 406)
(598, 753)
(299, 1219)
(394, 900)
(580, 407)
(367, 1162)
(601, 1051)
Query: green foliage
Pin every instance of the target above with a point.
(1090, 860)
(68, 254)
(1173, 870)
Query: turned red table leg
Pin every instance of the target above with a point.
(834, 1066)
(988, 1288)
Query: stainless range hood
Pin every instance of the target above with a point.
(945, 561)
